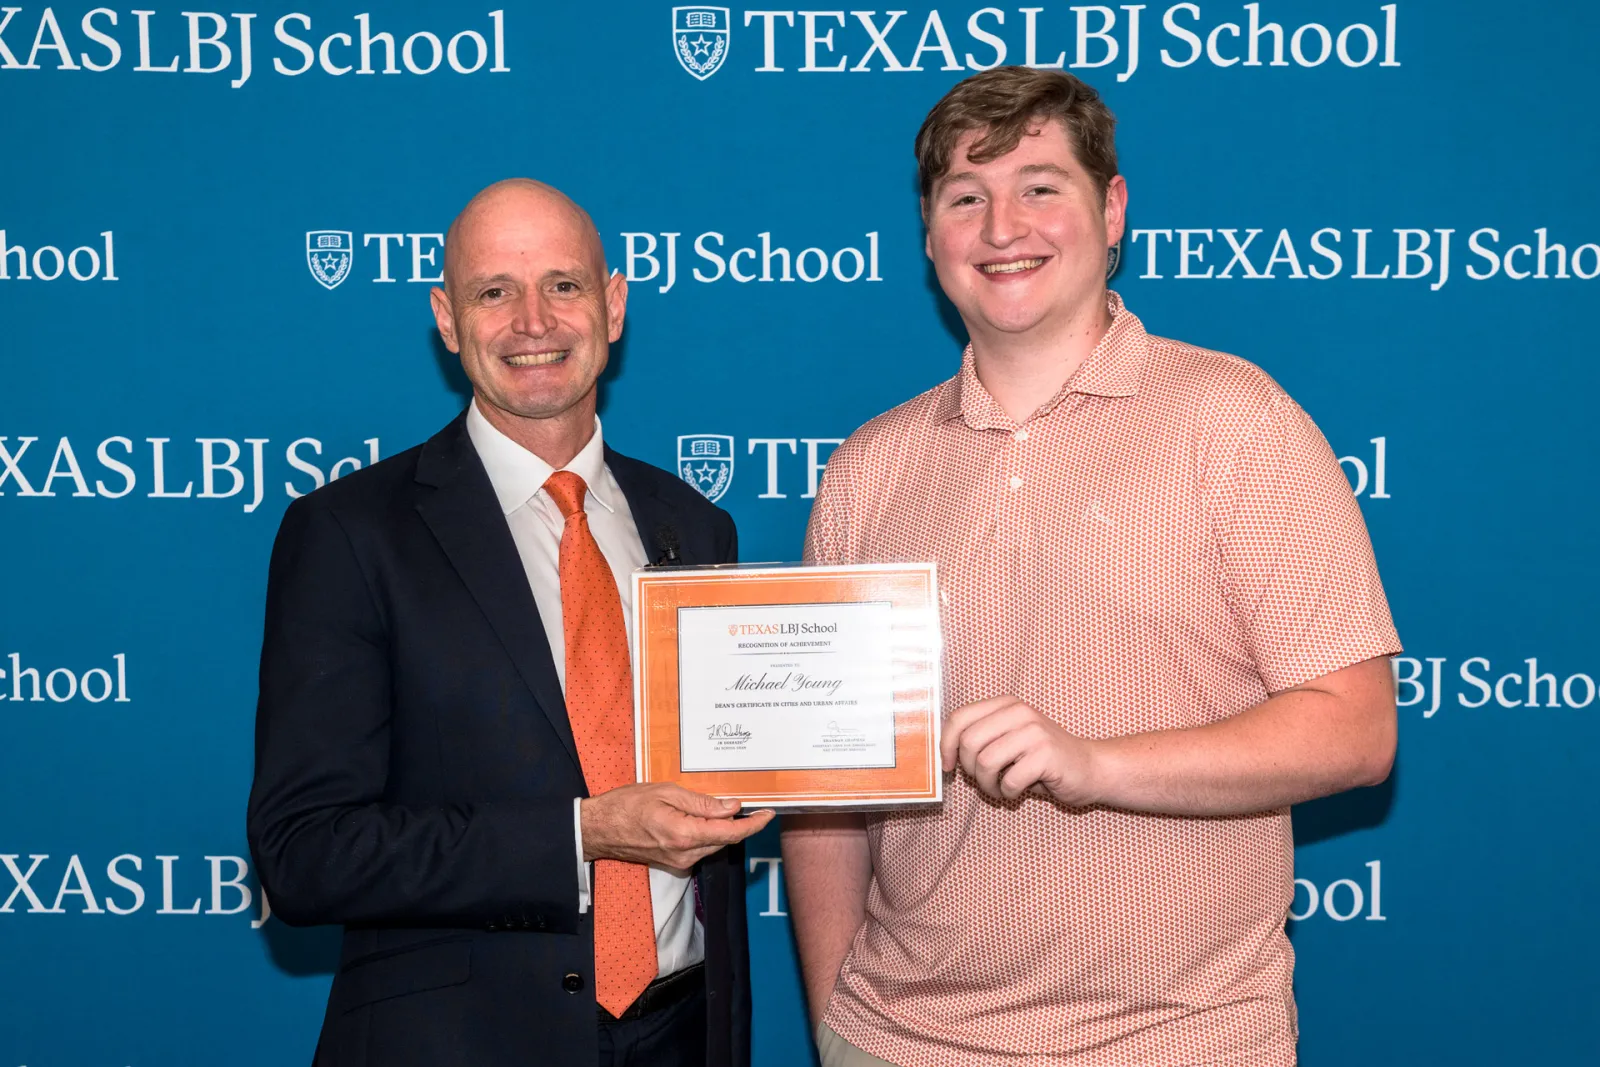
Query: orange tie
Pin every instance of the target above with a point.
(600, 706)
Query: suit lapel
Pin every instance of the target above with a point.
(650, 511)
(464, 515)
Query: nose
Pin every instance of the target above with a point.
(535, 316)
(1003, 223)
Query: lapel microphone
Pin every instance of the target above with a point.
(667, 541)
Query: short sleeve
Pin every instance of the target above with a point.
(1296, 558)
(828, 531)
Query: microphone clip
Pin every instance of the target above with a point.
(667, 542)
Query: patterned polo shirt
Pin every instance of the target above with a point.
(1163, 544)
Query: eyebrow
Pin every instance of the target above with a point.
(482, 280)
(1030, 169)
(1046, 168)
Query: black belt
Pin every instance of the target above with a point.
(662, 993)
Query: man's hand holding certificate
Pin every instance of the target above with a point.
(664, 825)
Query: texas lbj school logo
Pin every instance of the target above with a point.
(700, 39)
(705, 461)
(329, 254)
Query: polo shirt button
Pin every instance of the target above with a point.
(1020, 435)
(1016, 483)
(572, 982)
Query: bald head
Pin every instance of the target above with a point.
(520, 203)
(529, 306)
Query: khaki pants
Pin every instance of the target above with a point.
(835, 1051)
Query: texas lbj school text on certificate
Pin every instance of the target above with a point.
(786, 687)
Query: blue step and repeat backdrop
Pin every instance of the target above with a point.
(219, 230)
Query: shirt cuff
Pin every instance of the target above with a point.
(583, 868)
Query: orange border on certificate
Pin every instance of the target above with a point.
(915, 778)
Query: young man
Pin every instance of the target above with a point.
(1163, 626)
(444, 742)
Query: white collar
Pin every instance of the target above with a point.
(518, 475)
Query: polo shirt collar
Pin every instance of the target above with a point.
(518, 475)
(1113, 369)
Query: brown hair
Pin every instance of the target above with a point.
(1004, 103)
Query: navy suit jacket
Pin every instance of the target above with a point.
(415, 771)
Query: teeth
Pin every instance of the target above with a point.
(1010, 268)
(536, 359)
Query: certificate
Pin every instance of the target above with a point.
(794, 687)
(808, 686)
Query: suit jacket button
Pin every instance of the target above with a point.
(491, 926)
(572, 982)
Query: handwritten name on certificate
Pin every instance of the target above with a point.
(786, 687)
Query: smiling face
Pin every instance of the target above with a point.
(528, 305)
(1019, 243)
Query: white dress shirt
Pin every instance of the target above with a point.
(518, 477)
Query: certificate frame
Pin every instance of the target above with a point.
(908, 593)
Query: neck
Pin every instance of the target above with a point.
(556, 439)
(1023, 371)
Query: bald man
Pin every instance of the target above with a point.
(444, 744)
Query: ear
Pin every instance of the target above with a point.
(1116, 209)
(444, 317)
(927, 232)
(616, 304)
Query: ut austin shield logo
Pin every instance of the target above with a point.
(700, 39)
(705, 461)
(329, 254)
